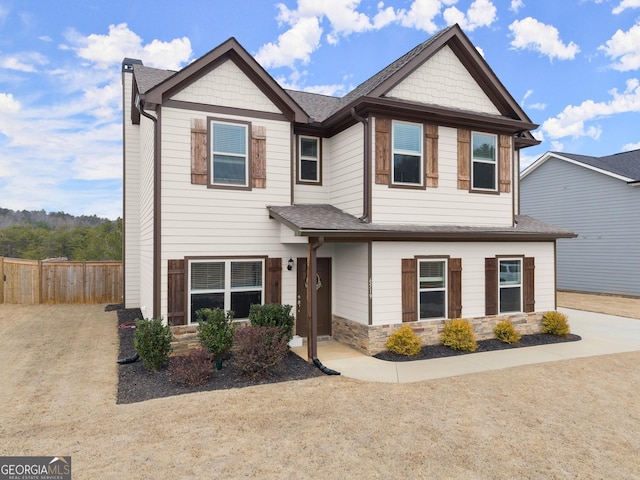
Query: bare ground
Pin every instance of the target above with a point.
(576, 419)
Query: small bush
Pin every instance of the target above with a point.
(152, 341)
(215, 331)
(258, 350)
(193, 369)
(506, 332)
(404, 341)
(458, 334)
(273, 315)
(555, 323)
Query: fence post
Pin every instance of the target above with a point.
(1, 280)
(40, 277)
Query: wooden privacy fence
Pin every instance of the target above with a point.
(34, 281)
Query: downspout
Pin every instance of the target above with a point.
(312, 305)
(156, 212)
(366, 207)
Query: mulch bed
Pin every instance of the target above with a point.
(137, 384)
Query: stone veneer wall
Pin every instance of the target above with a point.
(372, 339)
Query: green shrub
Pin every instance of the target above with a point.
(215, 331)
(555, 323)
(273, 315)
(193, 369)
(458, 334)
(258, 350)
(506, 332)
(404, 341)
(152, 341)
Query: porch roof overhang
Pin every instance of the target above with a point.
(334, 225)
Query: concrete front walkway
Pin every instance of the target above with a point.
(601, 335)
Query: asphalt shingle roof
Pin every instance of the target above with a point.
(147, 77)
(626, 164)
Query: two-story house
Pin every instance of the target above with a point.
(395, 203)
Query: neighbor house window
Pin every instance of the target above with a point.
(229, 154)
(484, 169)
(432, 288)
(226, 284)
(309, 159)
(407, 153)
(510, 285)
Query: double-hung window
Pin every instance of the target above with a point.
(407, 157)
(309, 159)
(484, 170)
(432, 288)
(229, 154)
(510, 285)
(226, 284)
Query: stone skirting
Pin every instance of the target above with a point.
(185, 340)
(371, 339)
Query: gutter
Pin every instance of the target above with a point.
(366, 193)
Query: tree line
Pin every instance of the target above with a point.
(39, 235)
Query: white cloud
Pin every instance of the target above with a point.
(531, 106)
(27, 62)
(481, 13)
(297, 43)
(516, 5)
(384, 17)
(571, 122)
(531, 34)
(8, 104)
(421, 15)
(557, 146)
(624, 5)
(104, 51)
(631, 146)
(624, 48)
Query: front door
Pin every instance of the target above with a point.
(322, 283)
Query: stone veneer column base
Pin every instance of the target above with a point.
(371, 339)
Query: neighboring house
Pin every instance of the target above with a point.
(396, 203)
(599, 199)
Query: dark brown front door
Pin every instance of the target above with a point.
(322, 283)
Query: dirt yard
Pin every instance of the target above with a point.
(576, 419)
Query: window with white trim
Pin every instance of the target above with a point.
(309, 159)
(484, 164)
(407, 156)
(233, 284)
(510, 285)
(229, 154)
(432, 288)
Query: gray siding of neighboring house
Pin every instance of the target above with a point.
(603, 211)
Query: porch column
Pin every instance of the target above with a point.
(312, 297)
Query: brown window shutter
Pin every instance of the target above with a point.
(490, 286)
(273, 292)
(383, 152)
(198, 152)
(176, 314)
(431, 154)
(455, 288)
(464, 159)
(409, 290)
(528, 285)
(504, 159)
(259, 157)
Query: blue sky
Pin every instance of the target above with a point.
(574, 66)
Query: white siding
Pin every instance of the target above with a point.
(345, 167)
(350, 273)
(603, 211)
(131, 151)
(227, 86)
(444, 205)
(387, 273)
(443, 80)
(146, 194)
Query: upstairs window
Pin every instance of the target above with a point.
(510, 285)
(407, 154)
(229, 154)
(484, 170)
(309, 159)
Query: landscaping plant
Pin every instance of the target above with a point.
(193, 369)
(215, 331)
(404, 341)
(506, 332)
(555, 323)
(458, 334)
(273, 315)
(257, 350)
(152, 341)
